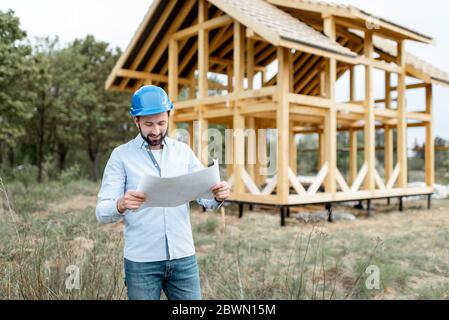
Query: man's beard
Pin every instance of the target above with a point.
(154, 143)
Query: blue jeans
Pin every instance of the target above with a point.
(178, 278)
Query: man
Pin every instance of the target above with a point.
(159, 250)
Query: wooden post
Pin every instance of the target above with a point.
(293, 149)
(203, 66)
(262, 158)
(238, 120)
(369, 130)
(321, 150)
(323, 83)
(282, 124)
(229, 151)
(264, 78)
(352, 155)
(352, 84)
(190, 128)
(353, 147)
(229, 70)
(402, 118)
(252, 139)
(192, 88)
(250, 62)
(172, 81)
(203, 51)
(252, 147)
(330, 127)
(388, 131)
(291, 66)
(430, 148)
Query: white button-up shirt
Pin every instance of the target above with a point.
(151, 234)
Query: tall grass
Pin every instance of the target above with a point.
(238, 269)
(249, 258)
(36, 252)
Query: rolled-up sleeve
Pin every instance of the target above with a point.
(196, 165)
(112, 188)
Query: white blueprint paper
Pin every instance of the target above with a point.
(175, 191)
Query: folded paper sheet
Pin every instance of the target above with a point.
(175, 191)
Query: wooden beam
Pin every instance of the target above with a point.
(238, 119)
(124, 57)
(330, 125)
(420, 116)
(370, 131)
(293, 149)
(282, 124)
(352, 88)
(321, 150)
(304, 100)
(261, 159)
(250, 63)
(162, 45)
(252, 148)
(173, 80)
(239, 51)
(187, 58)
(150, 39)
(388, 132)
(352, 156)
(203, 51)
(173, 71)
(411, 86)
(205, 25)
(430, 148)
(402, 118)
(203, 66)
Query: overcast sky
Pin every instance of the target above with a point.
(115, 22)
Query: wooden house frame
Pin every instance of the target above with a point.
(314, 44)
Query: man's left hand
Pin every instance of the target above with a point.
(221, 191)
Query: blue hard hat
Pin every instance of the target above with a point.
(150, 100)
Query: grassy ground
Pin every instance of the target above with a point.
(45, 229)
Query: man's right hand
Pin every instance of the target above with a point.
(132, 200)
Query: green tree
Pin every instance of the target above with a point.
(15, 68)
(45, 95)
(103, 116)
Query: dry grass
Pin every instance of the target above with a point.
(249, 258)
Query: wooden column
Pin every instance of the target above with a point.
(352, 133)
(388, 132)
(330, 126)
(430, 148)
(229, 149)
(293, 149)
(192, 88)
(261, 155)
(251, 123)
(238, 120)
(172, 81)
(250, 62)
(282, 124)
(203, 66)
(291, 66)
(190, 128)
(321, 150)
(252, 147)
(264, 78)
(402, 118)
(352, 84)
(352, 155)
(229, 70)
(370, 129)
